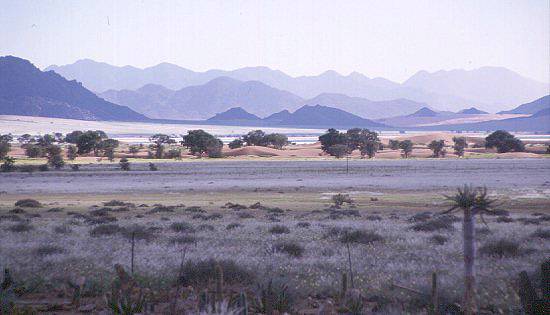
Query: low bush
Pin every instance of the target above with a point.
(290, 248)
(105, 230)
(232, 226)
(205, 227)
(542, 233)
(501, 248)
(373, 217)
(200, 273)
(245, 215)
(438, 239)
(420, 217)
(46, 250)
(303, 224)
(505, 220)
(182, 227)
(434, 224)
(62, 229)
(183, 239)
(361, 237)
(21, 227)
(28, 203)
(279, 229)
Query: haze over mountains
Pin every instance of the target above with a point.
(488, 88)
(204, 101)
(25, 90)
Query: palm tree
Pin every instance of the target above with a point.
(472, 201)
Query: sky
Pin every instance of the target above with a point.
(390, 39)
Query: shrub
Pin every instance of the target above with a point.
(373, 217)
(232, 226)
(361, 237)
(235, 144)
(199, 273)
(55, 209)
(338, 150)
(153, 167)
(62, 229)
(44, 168)
(501, 248)
(303, 224)
(75, 167)
(183, 239)
(290, 248)
(17, 211)
(105, 230)
(245, 215)
(124, 164)
(205, 227)
(28, 203)
(114, 203)
(459, 145)
(340, 199)
(33, 151)
(279, 229)
(21, 227)
(182, 227)
(140, 232)
(438, 239)
(540, 233)
(46, 250)
(8, 165)
(420, 217)
(173, 154)
(435, 224)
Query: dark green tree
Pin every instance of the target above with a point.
(332, 137)
(255, 137)
(504, 141)
(34, 151)
(72, 152)
(368, 143)
(158, 141)
(276, 140)
(214, 148)
(199, 141)
(4, 149)
(338, 150)
(235, 144)
(459, 145)
(394, 144)
(406, 147)
(8, 165)
(53, 153)
(437, 147)
(124, 164)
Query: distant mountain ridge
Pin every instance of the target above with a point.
(531, 107)
(220, 94)
(25, 90)
(306, 116)
(488, 88)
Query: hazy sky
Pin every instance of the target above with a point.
(392, 39)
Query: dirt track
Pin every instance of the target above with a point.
(407, 175)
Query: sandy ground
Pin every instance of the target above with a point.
(223, 175)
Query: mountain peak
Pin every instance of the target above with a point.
(472, 111)
(424, 112)
(234, 113)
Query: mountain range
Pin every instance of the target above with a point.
(25, 90)
(217, 95)
(316, 116)
(488, 88)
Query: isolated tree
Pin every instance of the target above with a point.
(4, 149)
(255, 137)
(6, 138)
(107, 148)
(235, 144)
(394, 144)
(437, 147)
(158, 142)
(53, 153)
(33, 150)
(88, 141)
(338, 150)
(124, 164)
(459, 145)
(8, 165)
(199, 142)
(133, 149)
(276, 140)
(25, 139)
(471, 201)
(332, 137)
(406, 147)
(368, 143)
(503, 141)
(72, 152)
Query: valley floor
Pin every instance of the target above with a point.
(272, 220)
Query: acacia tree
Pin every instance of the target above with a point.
(369, 143)
(5, 146)
(235, 144)
(394, 144)
(54, 156)
(72, 152)
(277, 140)
(437, 147)
(459, 145)
(332, 137)
(471, 201)
(107, 148)
(200, 142)
(158, 141)
(255, 137)
(406, 147)
(504, 141)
